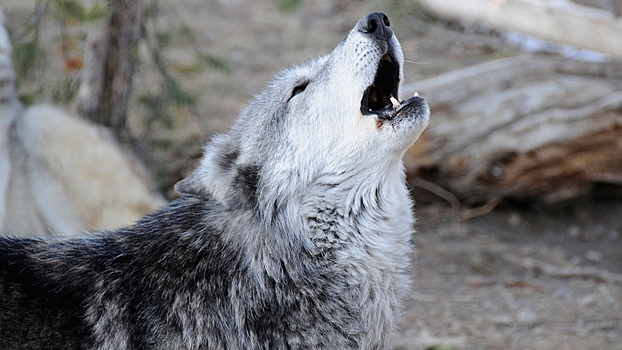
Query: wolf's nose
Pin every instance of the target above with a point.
(376, 23)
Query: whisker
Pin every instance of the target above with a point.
(412, 70)
(416, 62)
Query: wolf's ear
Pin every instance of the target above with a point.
(192, 185)
(213, 177)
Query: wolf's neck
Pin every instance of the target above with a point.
(335, 208)
(364, 227)
(360, 204)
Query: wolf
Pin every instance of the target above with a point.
(294, 232)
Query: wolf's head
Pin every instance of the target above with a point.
(329, 120)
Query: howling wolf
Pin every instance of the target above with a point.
(293, 233)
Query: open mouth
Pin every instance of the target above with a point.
(377, 98)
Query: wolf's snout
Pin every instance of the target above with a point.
(376, 23)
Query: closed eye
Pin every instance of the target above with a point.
(300, 88)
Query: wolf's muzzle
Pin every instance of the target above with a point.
(377, 97)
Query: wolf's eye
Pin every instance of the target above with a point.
(300, 88)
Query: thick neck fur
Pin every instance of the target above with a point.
(357, 224)
(369, 237)
(353, 227)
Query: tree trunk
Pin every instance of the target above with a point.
(526, 127)
(106, 85)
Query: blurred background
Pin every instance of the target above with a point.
(517, 179)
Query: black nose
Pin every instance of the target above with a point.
(376, 23)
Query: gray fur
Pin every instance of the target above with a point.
(293, 233)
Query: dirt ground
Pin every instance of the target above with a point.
(516, 278)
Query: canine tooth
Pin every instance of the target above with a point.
(416, 93)
(394, 101)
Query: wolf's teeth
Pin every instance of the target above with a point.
(394, 101)
(416, 93)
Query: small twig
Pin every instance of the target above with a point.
(437, 191)
(471, 213)
(570, 271)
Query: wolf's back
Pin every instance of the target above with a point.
(36, 313)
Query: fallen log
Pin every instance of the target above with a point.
(561, 21)
(525, 127)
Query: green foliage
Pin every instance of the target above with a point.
(74, 11)
(156, 108)
(182, 35)
(185, 35)
(439, 347)
(28, 99)
(215, 63)
(288, 5)
(175, 94)
(171, 94)
(204, 62)
(64, 90)
(97, 12)
(68, 10)
(164, 39)
(29, 57)
(26, 55)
